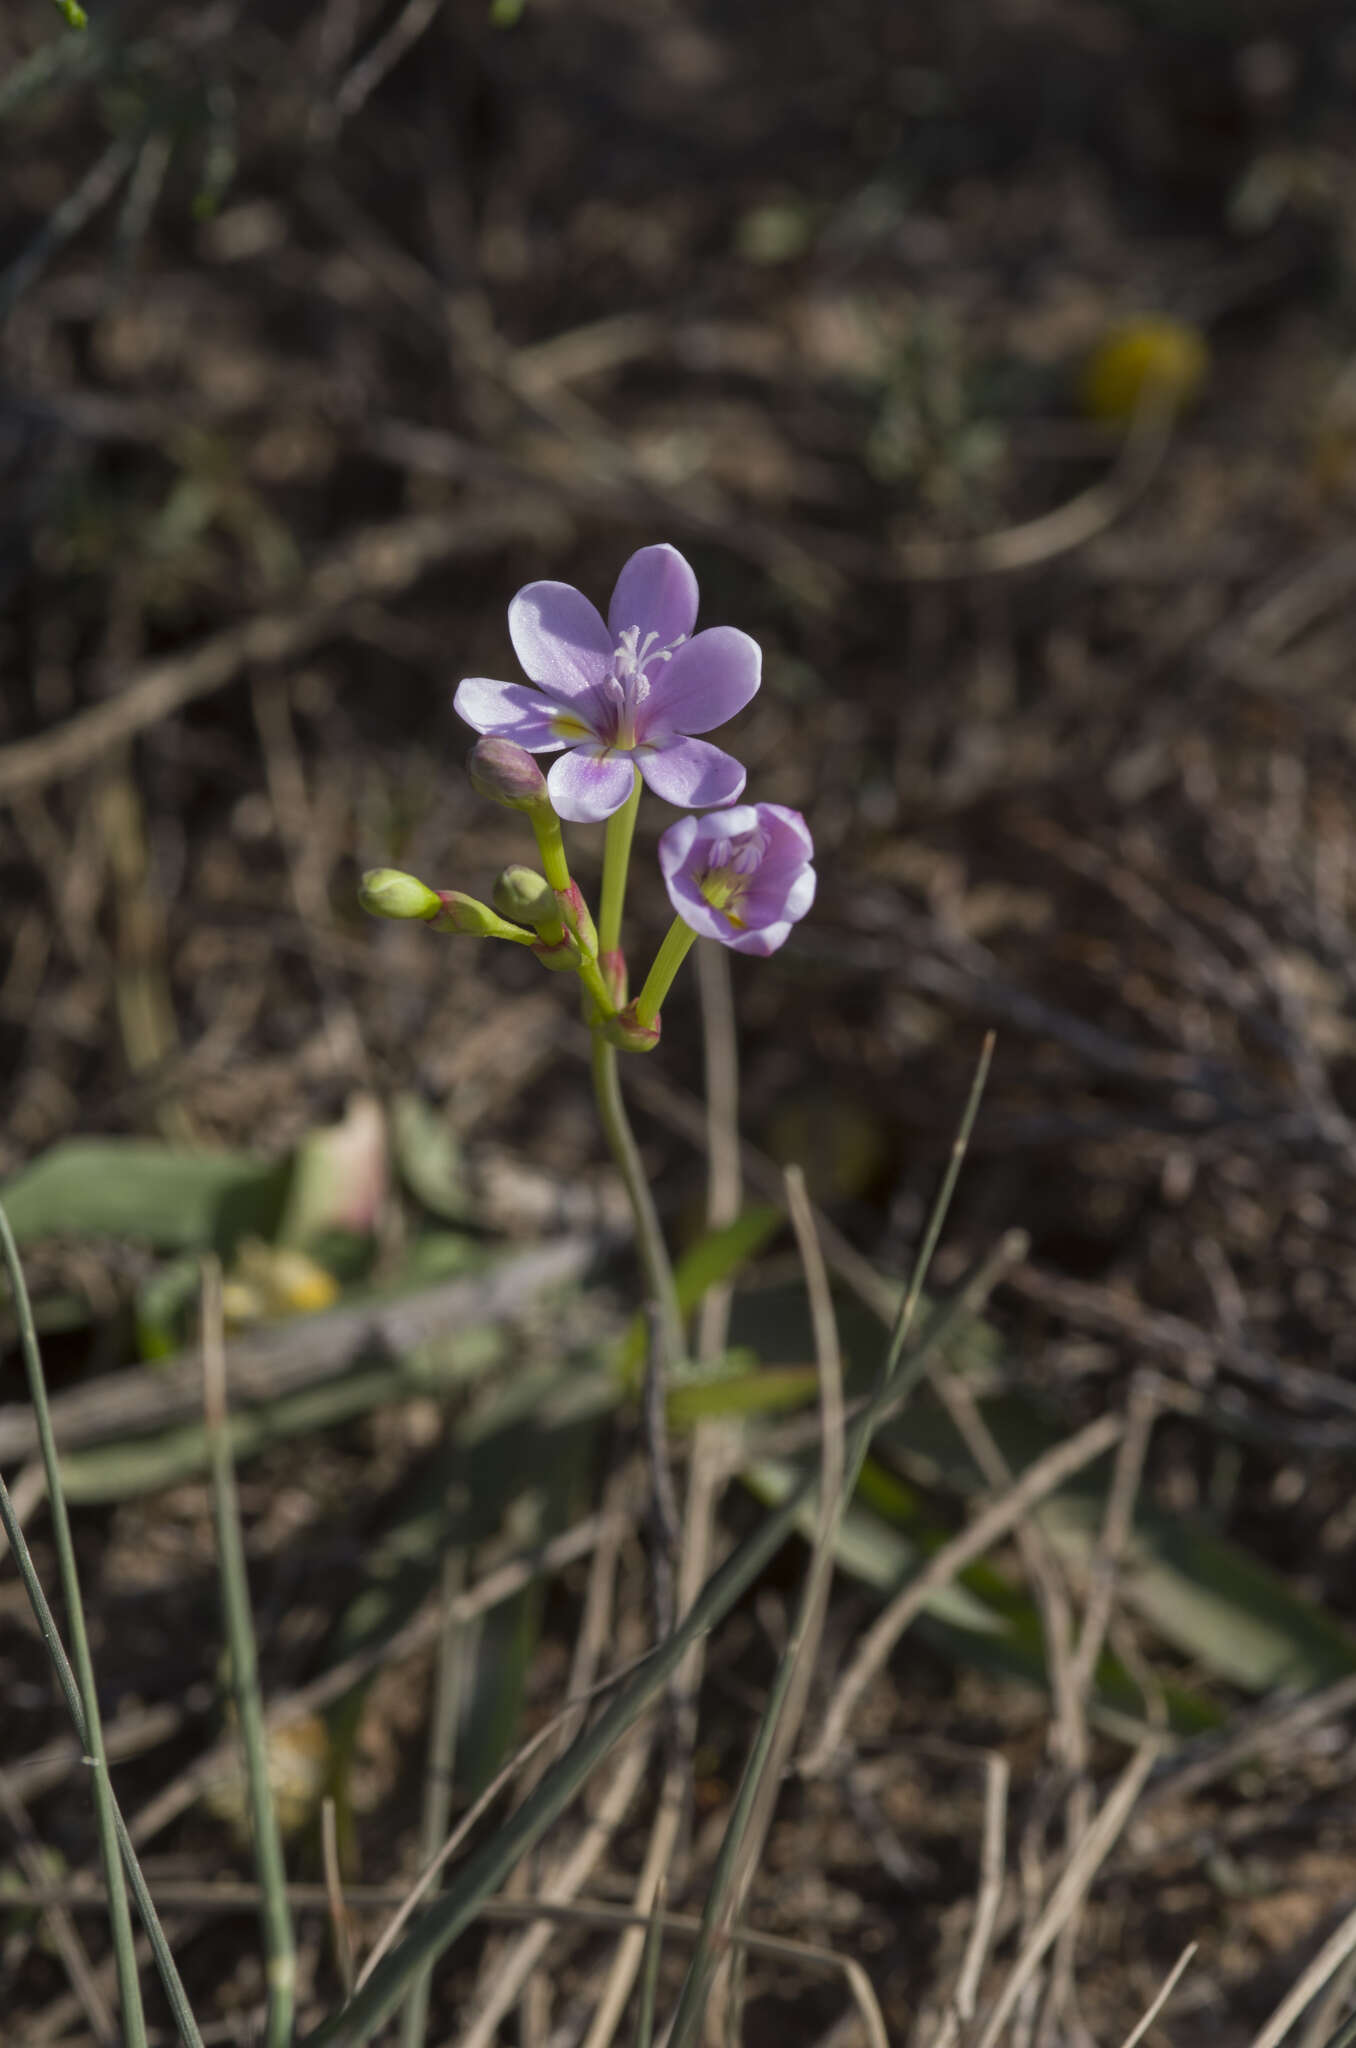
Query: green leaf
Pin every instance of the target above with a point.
(123, 1187)
(1204, 1595)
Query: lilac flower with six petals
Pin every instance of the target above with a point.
(631, 691)
(742, 876)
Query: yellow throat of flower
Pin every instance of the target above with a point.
(725, 890)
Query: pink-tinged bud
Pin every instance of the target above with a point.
(463, 914)
(528, 898)
(613, 965)
(574, 915)
(628, 1034)
(562, 958)
(507, 774)
(386, 892)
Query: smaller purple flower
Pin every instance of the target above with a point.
(624, 694)
(742, 876)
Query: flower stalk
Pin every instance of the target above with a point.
(677, 943)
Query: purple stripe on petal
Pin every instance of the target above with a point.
(656, 591)
(587, 785)
(691, 773)
(510, 711)
(560, 639)
(702, 684)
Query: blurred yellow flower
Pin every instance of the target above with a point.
(1151, 356)
(268, 1281)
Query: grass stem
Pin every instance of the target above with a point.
(92, 1734)
(275, 1912)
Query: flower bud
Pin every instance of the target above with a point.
(458, 913)
(507, 774)
(628, 1034)
(386, 892)
(527, 897)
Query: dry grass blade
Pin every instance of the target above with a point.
(1325, 2017)
(993, 1522)
(1071, 525)
(566, 1717)
(705, 1482)
(1334, 1952)
(379, 561)
(1073, 1885)
(757, 1795)
(988, 1897)
(77, 1678)
(1116, 1526)
(58, 1925)
(1169, 1985)
(424, 1627)
(341, 1933)
(561, 1888)
(450, 1669)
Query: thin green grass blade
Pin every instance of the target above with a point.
(120, 1918)
(488, 1866)
(436, 1818)
(895, 1384)
(649, 1971)
(46, 1620)
(275, 1913)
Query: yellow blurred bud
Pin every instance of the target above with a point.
(1150, 357)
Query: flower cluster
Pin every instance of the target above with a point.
(620, 703)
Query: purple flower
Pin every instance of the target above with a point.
(630, 691)
(741, 876)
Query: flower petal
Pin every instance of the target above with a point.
(691, 773)
(771, 898)
(783, 815)
(656, 591)
(761, 942)
(510, 711)
(589, 784)
(702, 684)
(696, 912)
(560, 639)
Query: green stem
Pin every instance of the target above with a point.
(275, 1912)
(124, 1947)
(654, 1255)
(616, 859)
(591, 975)
(674, 949)
(46, 1620)
(551, 847)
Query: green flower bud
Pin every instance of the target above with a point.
(386, 892)
(527, 897)
(474, 920)
(507, 774)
